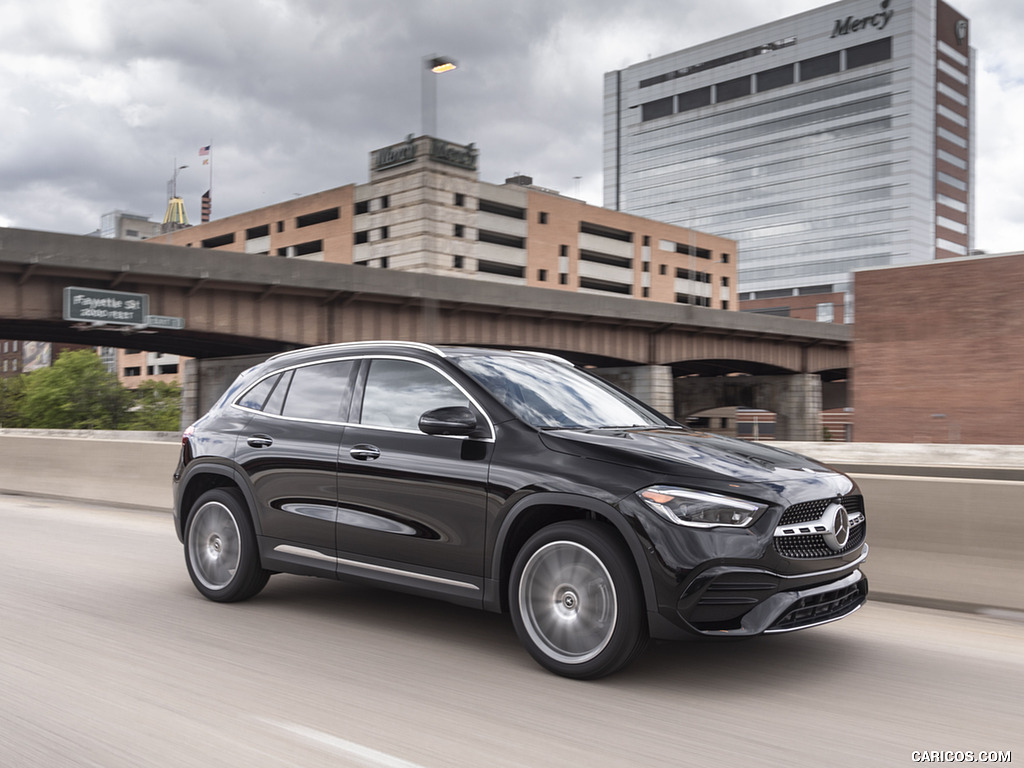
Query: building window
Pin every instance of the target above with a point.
(700, 97)
(725, 258)
(563, 279)
(732, 89)
(501, 209)
(385, 202)
(458, 261)
(216, 242)
(313, 246)
(542, 217)
(319, 217)
(500, 238)
(253, 232)
(869, 53)
(362, 237)
(384, 233)
(647, 240)
(610, 232)
(774, 78)
(383, 262)
(563, 251)
(460, 200)
(725, 282)
(542, 275)
(725, 305)
(652, 110)
(825, 312)
(362, 206)
(647, 293)
(460, 230)
(497, 268)
(133, 371)
(819, 66)
(280, 226)
(663, 269)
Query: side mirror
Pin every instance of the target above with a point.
(450, 420)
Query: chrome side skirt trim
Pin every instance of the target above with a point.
(312, 554)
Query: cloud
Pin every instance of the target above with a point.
(102, 100)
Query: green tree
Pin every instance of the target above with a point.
(76, 392)
(156, 405)
(12, 393)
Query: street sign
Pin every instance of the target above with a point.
(91, 305)
(165, 321)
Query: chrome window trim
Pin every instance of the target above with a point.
(469, 397)
(312, 554)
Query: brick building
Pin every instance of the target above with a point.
(425, 210)
(945, 362)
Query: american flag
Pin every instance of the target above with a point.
(205, 150)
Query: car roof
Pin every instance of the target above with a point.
(410, 346)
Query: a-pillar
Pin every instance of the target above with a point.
(650, 383)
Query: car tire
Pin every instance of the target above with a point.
(576, 601)
(220, 548)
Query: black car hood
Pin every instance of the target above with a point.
(681, 451)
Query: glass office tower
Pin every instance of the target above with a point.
(832, 140)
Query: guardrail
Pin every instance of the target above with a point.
(945, 523)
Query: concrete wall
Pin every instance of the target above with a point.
(945, 523)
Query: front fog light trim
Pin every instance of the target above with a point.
(701, 509)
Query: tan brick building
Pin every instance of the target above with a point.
(425, 210)
(939, 352)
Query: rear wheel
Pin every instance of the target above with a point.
(220, 548)
(576, 601)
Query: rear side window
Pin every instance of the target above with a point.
(398, 392)
(257, 396)
(318, 392)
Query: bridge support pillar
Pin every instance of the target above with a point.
(649, 383)
(798, 410)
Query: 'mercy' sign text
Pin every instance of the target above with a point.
(396, 154)
(453, 154)
(851, 24)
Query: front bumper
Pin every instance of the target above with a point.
(744, 601)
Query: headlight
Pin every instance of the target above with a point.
(700, 509)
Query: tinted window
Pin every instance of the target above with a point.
(398, 392)
(694, 99)
(545, 393)
(318, 391)
(256, 396)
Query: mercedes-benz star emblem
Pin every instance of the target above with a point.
(837, 520)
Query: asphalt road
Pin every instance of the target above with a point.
(109, 658)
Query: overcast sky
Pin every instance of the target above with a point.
(99, 99)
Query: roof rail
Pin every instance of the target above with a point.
(356, 344)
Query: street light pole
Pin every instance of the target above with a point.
(432, 65)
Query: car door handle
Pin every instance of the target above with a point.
(365, 452)
(260, 441)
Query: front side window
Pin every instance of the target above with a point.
(551, 395)
(398, 392)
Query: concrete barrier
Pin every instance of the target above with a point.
(947, 533)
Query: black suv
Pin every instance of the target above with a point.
(512, 481)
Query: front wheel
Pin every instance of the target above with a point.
(576, 602)
(220, 548)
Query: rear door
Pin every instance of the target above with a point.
(290, 452)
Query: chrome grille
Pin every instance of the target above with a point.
(812, 544)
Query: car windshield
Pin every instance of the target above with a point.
(551, 395)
